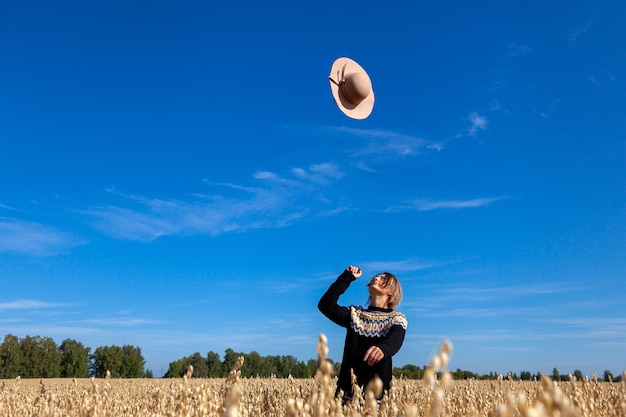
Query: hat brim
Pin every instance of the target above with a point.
(355, 111)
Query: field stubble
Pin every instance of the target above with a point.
(275, 397)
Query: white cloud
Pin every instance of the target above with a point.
(385, 142)
(5, 207)
(478, 122)
(517, 49)
(364, 167)
(373, 144)
(611, 76)
(580, 31)
(155, 217)
(265, 175)
(119, 322)
(319, 173)
(428, 205)
(595, 81)
(28, 305)
(278, 202)
(34, 238)
(484, 294)
(397, 266)
(436, 146)
(272, 177)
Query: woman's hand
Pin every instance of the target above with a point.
(373, 355)
(355, 270)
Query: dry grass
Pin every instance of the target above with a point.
(257, 397)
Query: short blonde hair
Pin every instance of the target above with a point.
(389, 281)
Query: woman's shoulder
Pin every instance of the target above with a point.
(399, 318)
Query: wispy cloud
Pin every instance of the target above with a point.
(543, 114)
(34, 238)
(611, 76)
(497, 301)
(28, 305)
(595, 81)
(609, 323)
(272, 177)
(384, 142)
(5, 207)
(473, 312)
(154, 218)
(319, 173)
(341, 208)
(603, 78)
(369, 147)
(428, 205)
(290, 286)
(580, 31)
(517, 49)
(477, 123)
(397, 266)
(276, 201)
(483, 294)
(119, 322)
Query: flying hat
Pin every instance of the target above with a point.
(351, 88)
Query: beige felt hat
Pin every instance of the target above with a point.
(351, 88)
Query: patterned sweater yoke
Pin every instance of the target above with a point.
(375, 323)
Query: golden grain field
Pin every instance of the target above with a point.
(273, 397)
(285, 397)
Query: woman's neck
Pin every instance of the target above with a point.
(379, 301)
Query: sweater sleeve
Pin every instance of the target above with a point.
(393, 342)
(328, 304)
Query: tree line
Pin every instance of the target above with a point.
(41, 357)
(256, 365)
(415, 372)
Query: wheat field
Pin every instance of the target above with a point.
(436, 395)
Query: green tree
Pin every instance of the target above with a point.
(556, 376)
(41, 357)
(230, 359)
(300, 370)
(215, 365)
(107, 358)
(31, 361)
(253, 365)
(578, 374)
(311, 365)
(489, 377)
(409, 371)
(337, 367)
(179, 368)
(176, 369)
(608, 376)
(10, 357)
(132, 362)
(289, 364)
(121, 362)
(75, 359)
(200, 366)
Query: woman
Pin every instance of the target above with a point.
(373, 335)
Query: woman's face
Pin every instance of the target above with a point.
(378, 285)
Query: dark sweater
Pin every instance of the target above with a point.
(375, 326)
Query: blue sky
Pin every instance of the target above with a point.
(177, 176)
